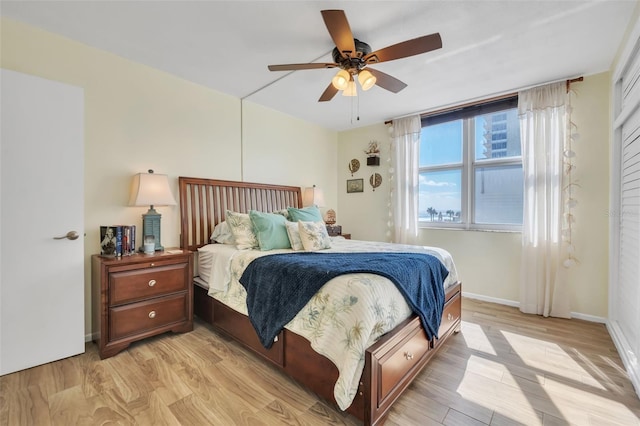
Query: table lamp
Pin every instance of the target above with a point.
(313, 196)
(151, 189)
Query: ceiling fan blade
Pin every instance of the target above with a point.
(328, 93)
(340, 31)
(407, 48)
(386, 81)
(295, 67)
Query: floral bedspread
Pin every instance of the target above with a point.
(346, 316)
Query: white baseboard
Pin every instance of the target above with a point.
(587, 317)
(576, 315)
(491, 299)
(629, 358)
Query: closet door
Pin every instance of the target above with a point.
(624, 283)
(41, 198)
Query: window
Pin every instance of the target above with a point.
(471, 168)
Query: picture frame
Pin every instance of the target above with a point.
(355, 185)
(110, 241)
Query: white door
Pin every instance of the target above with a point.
(41, 178)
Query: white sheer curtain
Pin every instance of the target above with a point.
(542, 113)
(405, 151)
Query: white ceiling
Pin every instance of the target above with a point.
(489, 47)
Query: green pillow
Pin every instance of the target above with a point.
(307, 214)
(270, 230)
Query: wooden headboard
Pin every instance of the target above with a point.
(203, 203)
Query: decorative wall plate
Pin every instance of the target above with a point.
(375, 180)
(354, 166)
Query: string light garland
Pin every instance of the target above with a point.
(391, 170)
(569, 183)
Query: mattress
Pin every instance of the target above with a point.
(347, 315)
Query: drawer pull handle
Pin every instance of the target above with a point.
(408, 356)
(152, 314)
(153, 264)
(449, 317)
(152, 283)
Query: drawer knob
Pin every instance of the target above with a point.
(153, 264)
(152, 283)
(152, 314)
(408, 356)
(449, 317)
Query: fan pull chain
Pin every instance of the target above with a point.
(357, 106)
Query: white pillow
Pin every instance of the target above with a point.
(222, 234)
(314, 235)
(294, 235)
(242, 230)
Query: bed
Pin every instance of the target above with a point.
(388, 365)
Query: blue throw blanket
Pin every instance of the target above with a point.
(280, 285)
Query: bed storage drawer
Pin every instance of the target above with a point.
(138, 284)
(138, 318)
(450, 318)
(400, 360)
(241, 329)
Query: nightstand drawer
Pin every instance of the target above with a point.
(139, 317)
(128, 286)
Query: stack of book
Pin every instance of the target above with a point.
(117, 240)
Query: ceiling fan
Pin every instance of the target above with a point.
(353, 57)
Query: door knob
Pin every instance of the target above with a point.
(71, 235)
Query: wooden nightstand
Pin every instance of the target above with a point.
(336, 230)
(137, 296)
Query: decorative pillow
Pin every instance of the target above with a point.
(242, 230)
(222, 234)
(307, 214)
(294, 236)
(270, 230)
(283, 212)
(314, 235)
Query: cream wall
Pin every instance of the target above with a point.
(278, 149)
(489, 262)
(137, 118)
(363, 214)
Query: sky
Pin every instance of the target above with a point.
(444, 187)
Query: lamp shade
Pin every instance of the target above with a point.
(151, 189)
(351, 89)
(366, 79)
(313, 196)
(341, 80)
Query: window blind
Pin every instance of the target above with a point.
(624, 283)
(628, 311)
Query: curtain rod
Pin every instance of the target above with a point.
(494, 98)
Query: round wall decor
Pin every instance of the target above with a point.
(354, 166)
(375, 180)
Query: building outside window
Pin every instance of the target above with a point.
(471, 168)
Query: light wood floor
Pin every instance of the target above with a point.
(504, 368)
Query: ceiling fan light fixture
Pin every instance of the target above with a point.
(351, 56)
(341, 80)
(351, 89)
(366, 79)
